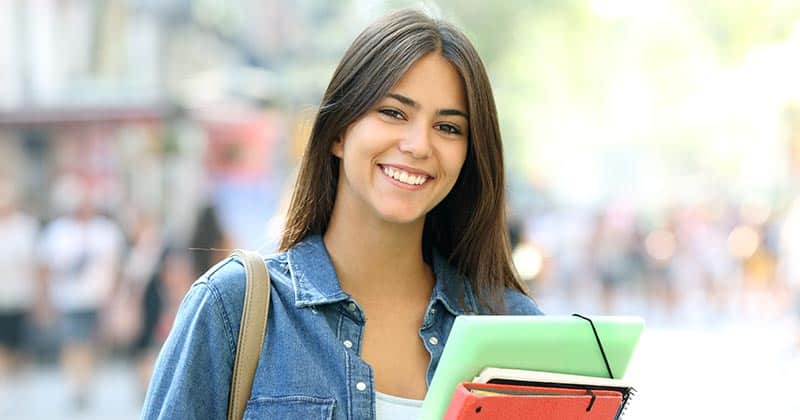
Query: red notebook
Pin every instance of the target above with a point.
(473, 401)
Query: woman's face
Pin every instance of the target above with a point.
(403, 156)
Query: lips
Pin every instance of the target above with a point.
(407, 169)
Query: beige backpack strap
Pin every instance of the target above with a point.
(252, 331)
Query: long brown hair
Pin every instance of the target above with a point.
(469, 226)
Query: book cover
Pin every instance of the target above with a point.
(474, 401)
(521, 377)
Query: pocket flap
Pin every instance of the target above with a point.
(290, 407)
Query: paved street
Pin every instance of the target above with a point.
(39, 393)
(745, 371)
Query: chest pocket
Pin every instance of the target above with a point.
(291, 407)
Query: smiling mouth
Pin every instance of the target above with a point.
(404, 177)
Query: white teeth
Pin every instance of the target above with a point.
(405, 177)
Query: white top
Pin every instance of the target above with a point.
(82, 258)
(389, 407)
(17, 261)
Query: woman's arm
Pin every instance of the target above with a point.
(192, 375)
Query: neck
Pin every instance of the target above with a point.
(377, 259)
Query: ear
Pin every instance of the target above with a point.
(337, 148)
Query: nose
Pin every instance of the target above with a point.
(417, 142)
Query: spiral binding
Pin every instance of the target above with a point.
(625, 403)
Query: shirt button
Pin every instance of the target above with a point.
(351, 307)
(433, 311)
(361, 386)
(348, 344)
(433, 340)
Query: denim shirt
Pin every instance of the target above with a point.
(310, 367)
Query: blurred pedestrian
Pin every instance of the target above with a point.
(158, 301)
(18, 231)
(80, 254)
(138, 301)
(209, 242)
(176, 275)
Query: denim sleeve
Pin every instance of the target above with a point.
(520, 304)
(192, 375)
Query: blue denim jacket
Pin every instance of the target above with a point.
(306, 370)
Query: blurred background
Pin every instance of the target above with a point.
(652, 149)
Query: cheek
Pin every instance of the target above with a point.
(361, 139)
(455, 156)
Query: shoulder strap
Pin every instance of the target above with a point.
(252, 331)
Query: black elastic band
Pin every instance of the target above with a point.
(599, 344)
(591, 402)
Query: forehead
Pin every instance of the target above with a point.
(434, 82)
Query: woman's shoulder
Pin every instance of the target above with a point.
(228, 278)
(518, 303)
(230, 272)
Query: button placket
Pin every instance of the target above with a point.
(430, 317)
(360, 382)
(430, 335)
(350, 328)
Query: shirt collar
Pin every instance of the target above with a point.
(315, 282)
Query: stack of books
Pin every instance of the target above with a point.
(534, 367)
(511, 394)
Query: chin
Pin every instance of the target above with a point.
(401, 216)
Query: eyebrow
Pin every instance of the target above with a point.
(410, 102)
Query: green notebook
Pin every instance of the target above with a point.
(560, 344)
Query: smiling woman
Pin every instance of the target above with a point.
(397, 218)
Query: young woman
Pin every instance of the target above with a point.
(396, 227)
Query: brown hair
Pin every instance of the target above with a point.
(469, 226)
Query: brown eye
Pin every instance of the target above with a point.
(449, 129)
(392, 113)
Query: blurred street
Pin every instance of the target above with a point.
(38, 393)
